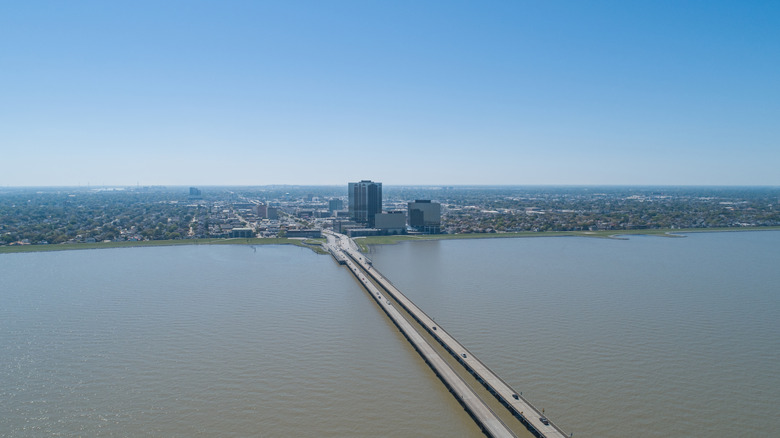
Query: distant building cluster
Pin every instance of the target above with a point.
(365, 211)
(264, 211)
(91, 215)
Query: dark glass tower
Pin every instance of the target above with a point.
(365, 201)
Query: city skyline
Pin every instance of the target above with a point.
(313, 93)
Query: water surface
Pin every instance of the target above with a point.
(272, 341)
(649, 336)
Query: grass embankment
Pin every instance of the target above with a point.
(316, 244)
(313, 244)
(364, 242)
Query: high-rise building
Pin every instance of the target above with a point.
(261, 210)
(365, 201)
(425, 216)
(335, 205)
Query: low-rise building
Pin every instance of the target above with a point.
(310, 233)
(242, 232)
(361, 232)
(391, 222)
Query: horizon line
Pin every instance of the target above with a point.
(88, 186)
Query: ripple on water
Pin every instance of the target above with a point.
(647, 336)
(204, 341)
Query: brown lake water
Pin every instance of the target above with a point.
(650, 337)
(647, 337)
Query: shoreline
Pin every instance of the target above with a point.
(314, 245)
(365, 242)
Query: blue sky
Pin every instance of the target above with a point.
(403, 92)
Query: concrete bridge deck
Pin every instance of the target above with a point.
(506, 395)
(488, 421)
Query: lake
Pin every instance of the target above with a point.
(649, 336)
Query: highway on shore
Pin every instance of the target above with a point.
(533, 420)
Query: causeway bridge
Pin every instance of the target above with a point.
(346, 252)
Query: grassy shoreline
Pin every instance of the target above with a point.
(365, 242)
(316, 244)
(313, 244)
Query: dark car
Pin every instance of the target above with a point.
(544, 421)
(516, 397)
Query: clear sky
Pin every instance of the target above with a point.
(403, 92)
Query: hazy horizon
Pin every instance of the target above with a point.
(584, 186)
(200, 93)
